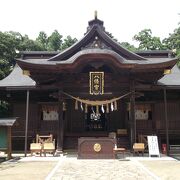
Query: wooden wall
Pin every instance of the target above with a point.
(19, 110)
(173, 112)
(75, 122)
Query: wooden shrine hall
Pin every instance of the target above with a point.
(92, 89)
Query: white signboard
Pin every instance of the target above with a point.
(153, 146)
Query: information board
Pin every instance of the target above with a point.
(153, 146)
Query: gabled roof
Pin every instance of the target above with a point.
(96, 38)
(16, 79)
(95, 45)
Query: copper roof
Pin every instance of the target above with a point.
(17, 79)
(171, 80)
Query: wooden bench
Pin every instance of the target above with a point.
(49, 147)
(138, 147)
(44, 144)
(36, 148)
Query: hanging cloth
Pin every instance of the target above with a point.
(92, 109)
(97, 109)
(115, 105)
(76, 105)
(86, 108)
(82, 106)
(107, 108)
(112, 107)
(102, 108)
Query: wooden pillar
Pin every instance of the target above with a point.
(132, 115)
(60, 128)
(9, 153)
(26, 125)
(166, 121)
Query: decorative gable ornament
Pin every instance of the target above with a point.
(96, 83)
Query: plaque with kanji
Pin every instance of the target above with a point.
(96, 82)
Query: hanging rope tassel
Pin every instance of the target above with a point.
(97, 109)
(86, 108)
(107, 108)
(115, 105)
(76, 105)
(82, 106)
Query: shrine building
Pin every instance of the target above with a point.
(94, 88)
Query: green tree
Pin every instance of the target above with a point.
(69, 41)
(54, 41)
(147, 41)
(27, 44)
(173, 42)
(128, 46)
(8, 44)
(42, 40)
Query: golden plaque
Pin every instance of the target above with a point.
(96, 83)
(97, 147)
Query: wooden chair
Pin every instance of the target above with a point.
(49, 147)
(44, 144)
(138, 147)
(36, 148)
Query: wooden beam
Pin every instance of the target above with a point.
(9, 150)
(132, 114)
(166, 121)
(60, 128)
(26, 125)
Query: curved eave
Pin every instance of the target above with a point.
(105, 56)
(16, 80)
(96, 29)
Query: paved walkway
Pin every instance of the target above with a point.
(70, 168)
(73, 169)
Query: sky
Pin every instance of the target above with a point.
(122, 18)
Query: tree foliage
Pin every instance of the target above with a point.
(147, 41)
(10, 42)
(128, 46)
(54, 41)
(69, 41)
(173, 41)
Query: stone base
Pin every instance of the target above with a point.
(58, 153)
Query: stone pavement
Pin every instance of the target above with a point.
(68, 167)
(73, 169)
